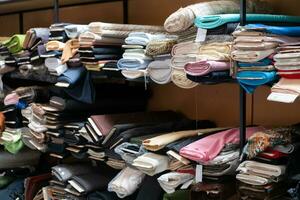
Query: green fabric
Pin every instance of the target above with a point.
(178, 195)
(14, 147)
(15, 43)
(214, 21)
(5, 181)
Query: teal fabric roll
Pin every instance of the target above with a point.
(214, 21)
(250, 80)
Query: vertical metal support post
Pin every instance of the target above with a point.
(55, 11)
(21, 23)
(125, 11)
(242, 91)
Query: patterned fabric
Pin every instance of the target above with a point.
(159, 47)
(260, 141)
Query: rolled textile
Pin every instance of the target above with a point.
(263, 62)
(151, 163)
(222, 158)
(287, 57)
(253, 46)
(55, 46)
(136, 54)
(209, 147)
(159, 47)
(64, 172)
(183, 18)
(218, 51)
(88, 39)
(178, 61)
(252, 179)
(251, 56)
(15, 43)
(143, 38)
(72, 76)
(74, 30)
(261, 169)
(160, 70)
(70, 49)
(134, 74)
(212, 78)
(267, 68)
(250, 80)
(185, 48)
(159, 142)
(213, 21)
(55, 66)
(293, 31)
(132, 64)
(170, 181)
(179, 78)
(126, 182)
(201, 68)
(220, 170)
(98, 27)
(34, 36)
(128, 156)
(258, 39)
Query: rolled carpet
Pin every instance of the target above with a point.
(250, 80)
(183, 18)
(213, 21)
(178, 77)
(201, 68)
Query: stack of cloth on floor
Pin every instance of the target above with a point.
(264, 175)
(139, 51)
(255, 46)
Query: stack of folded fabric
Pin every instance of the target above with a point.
(254, 48)
(263, 176)
(136, 59)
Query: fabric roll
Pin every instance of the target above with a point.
(250, 80)
(251, 56)
(129, 152)
(185, 48)
(287, 86)
(151, 164)
(260, 63)
(219, 170)
(74, 30)
(179, 78)
(71, 76)
(271, 39)
(70, 49)
(252, 179)
(143, 38)
(134, 74)
(201, 68)
(212, 78)
(65, 172)
(15, 43)
(126, 182)
(159, 142)
(252, 46)
(183, 18)
(132, 64)
(177, 195)
(293, 31)
(160, 71)
(159, 47)
(213, 21)
(88, 39)
(203, 150)
(55, 66)
(55, 46)
(170, 181)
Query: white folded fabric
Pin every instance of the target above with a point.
(55, 66)
(252, 179)
(261, 169)
(134, 74)
(141, 38)
(170, 181)
(126, 182)
(151, 163)
(160, 71)
(223, 158)
(74, 30)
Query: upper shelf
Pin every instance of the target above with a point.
(16, 6)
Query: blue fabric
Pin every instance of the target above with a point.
(132, 64)
(250, 80)
(278, 30)
(214, 21)
(21, 104)
(13, 191)
(263, 62)
(72, 75)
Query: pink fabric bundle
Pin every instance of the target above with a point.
(209, 147)
(11, 99)
(201, 68)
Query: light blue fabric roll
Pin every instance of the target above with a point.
(132, 64)
(250, 80)
(278, 30)
(214, 21)
(263, 62)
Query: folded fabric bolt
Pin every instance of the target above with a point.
(287, 86)
(287, 149)
(64, 172)
(201, 68)
(137, 55)
(213, 21)
(15, 43)
(252, 46)
(178, 61)
(132, 63)
(178, 77)
(170, 181)
(129, 157)
(212, 77)
(220, 170)
(55, 46)
(159, 47)
(209, 147)
(126, 182)
(293, 31)
(261, 169)
(74, 30)
(263, 62)
(88, 39)
(151, 164)
(142, 38)
(134, 74)
(55, 66)
(215, 51)
(98, 27)
(286, 57)
(36, 36)
(12, 141)
(259, 68)
(251, 56)
(183, 18)
(159, 142)
(11, 99)
(72, 75)
(186, 48)
(250, 80)
(160, 71)
(273, 39)
(222, 158)
(70, 49)
(252, 179)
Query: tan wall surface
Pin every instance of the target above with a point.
(218, 103)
